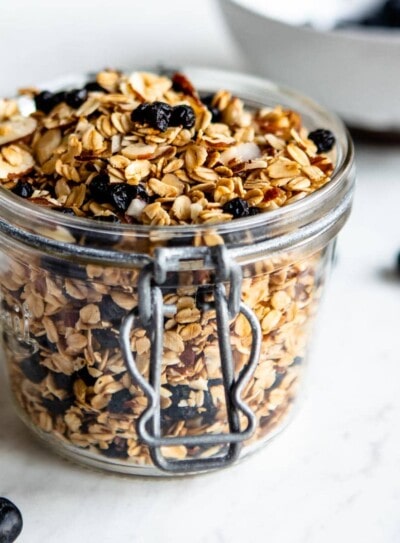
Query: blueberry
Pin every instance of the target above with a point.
(23, 189)
(119, 400)
(11, 523)
(106, 338)
(141, 193)
(99, 188)
(118, 448)
(155, 114)
(176, 412)
(110, 311)
(215, 112)
(63, 382)
(323, 139)
(203, 296)
(46, 343)
(254, 211)
(236, 207)
(75, 98)
(85, 376)
(56, 406)
(210, 410)
(183, 116)
(32, 369)
(93, 86)
(44, 101)
(121, 195)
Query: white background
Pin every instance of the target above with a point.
(334, 474)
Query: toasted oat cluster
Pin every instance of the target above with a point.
(147, 149)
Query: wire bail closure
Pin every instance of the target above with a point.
(150, 315)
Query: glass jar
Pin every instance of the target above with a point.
(159, 350)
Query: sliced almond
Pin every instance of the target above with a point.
(10, 169)
(16, 129)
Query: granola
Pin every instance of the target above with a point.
(144, 149)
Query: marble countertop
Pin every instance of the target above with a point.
(333, 475)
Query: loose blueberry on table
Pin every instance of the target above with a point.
(10, 521)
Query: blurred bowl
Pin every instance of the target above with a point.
(353, 70)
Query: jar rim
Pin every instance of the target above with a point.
(277, 221)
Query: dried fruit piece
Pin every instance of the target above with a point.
(182, 116)
(32, 369)
(23, 189)
(323, 139)
(155, 114)
(76, 97)
(237, 207)
(11, 523)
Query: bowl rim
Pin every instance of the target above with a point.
(360, 34)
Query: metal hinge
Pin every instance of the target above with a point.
(150, 315)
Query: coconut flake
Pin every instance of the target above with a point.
(135, 208)
(242, 152)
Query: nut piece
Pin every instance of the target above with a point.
(16, 129)
(14, 162)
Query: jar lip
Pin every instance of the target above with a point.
(283, 215)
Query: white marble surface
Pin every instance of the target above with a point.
(333, 475)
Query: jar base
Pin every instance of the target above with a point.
(93, 461)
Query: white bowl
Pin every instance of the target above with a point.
(352, 71)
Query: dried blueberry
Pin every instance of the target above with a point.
(204, 296)
(236, 207)
(110, 311)
(23, 189)
(210, 410)
(63, 382)
(119, 400)
(215, 112)
(75, 98)
(323, 139)
(44, 101)
(45, 343)
(182, 116)
(141, 193)
(155, 114)
(106, 338)
(176, 412)
(84, 374)
(98, 188)
(118, 448)
(11, 523)
(93, 86)
(121, 195)
(254, 211)
(32, 369)
(56, 406)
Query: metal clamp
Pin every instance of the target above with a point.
(150, 315)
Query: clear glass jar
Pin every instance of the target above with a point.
(172, 349)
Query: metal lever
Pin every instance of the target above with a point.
(150, 314)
